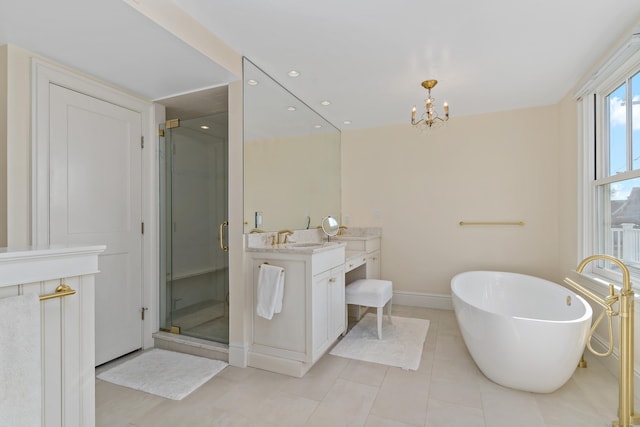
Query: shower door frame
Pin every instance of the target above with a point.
(216, 213)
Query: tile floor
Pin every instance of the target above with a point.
(447, 390)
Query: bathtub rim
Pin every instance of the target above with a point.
(588, 312)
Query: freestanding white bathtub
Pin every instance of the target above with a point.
(523, 332)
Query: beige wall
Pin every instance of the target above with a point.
(568, 184)
(15, 144)
(288, 179)
(19, 147)
(493, 167)
(240, 312)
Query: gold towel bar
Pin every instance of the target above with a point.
(268, 264)
(520, 223)
(61, 291)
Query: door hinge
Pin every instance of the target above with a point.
(142, 310)
(142, 142)
(160, 132)
(173, 123)
(142, 227)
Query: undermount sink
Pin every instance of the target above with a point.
(303, 245)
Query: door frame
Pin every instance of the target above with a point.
(167, 136)
(43, 74)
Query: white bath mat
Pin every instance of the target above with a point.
(401, 343)
(164, 373)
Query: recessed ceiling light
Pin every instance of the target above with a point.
(325, 103)
(252, 82)
(293, 73)
(204, 127)
(347, 122)
(317, 126)
(291, 108)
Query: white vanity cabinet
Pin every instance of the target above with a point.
(373, 264)
(362, 260)
(67, 328)
(328, 318)
(366, 251)
(313, 307)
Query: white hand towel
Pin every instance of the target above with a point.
(20, 368)
(270, 290)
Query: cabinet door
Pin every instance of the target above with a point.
(336, 303)
(373, 265)
(287, 329)
(320, 312)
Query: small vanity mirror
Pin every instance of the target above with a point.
(330, 226)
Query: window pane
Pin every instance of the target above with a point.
(635, 119)
(619, 220)
(617, 115)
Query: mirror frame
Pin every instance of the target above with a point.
(330, 226)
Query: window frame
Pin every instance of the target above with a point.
(593, 131)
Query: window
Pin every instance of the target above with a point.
(612, 200)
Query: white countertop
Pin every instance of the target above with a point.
(292, 249)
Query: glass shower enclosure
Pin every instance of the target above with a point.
(194, 262)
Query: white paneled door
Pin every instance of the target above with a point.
(95, 198)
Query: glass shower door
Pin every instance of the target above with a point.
(193, 193)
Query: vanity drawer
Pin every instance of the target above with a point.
(326, 260)
(354, 262)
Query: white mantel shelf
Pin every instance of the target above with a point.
(35, 264)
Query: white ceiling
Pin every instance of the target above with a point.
(109, 40)
(367, 57)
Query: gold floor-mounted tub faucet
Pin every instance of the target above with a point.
(626, 413)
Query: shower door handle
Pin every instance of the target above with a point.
(222, 246)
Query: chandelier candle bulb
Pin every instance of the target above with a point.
(430, 117)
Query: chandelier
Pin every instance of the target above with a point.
(430, 117)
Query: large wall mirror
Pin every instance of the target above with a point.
(291, 158)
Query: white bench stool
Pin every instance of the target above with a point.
(371, 293)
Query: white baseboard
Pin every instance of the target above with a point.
(612, 362)
(294, 368)
(238, 354)
(601, 344)
(443, 302)
(416, 299)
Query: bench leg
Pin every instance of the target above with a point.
(379, 315)
(389, 310)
